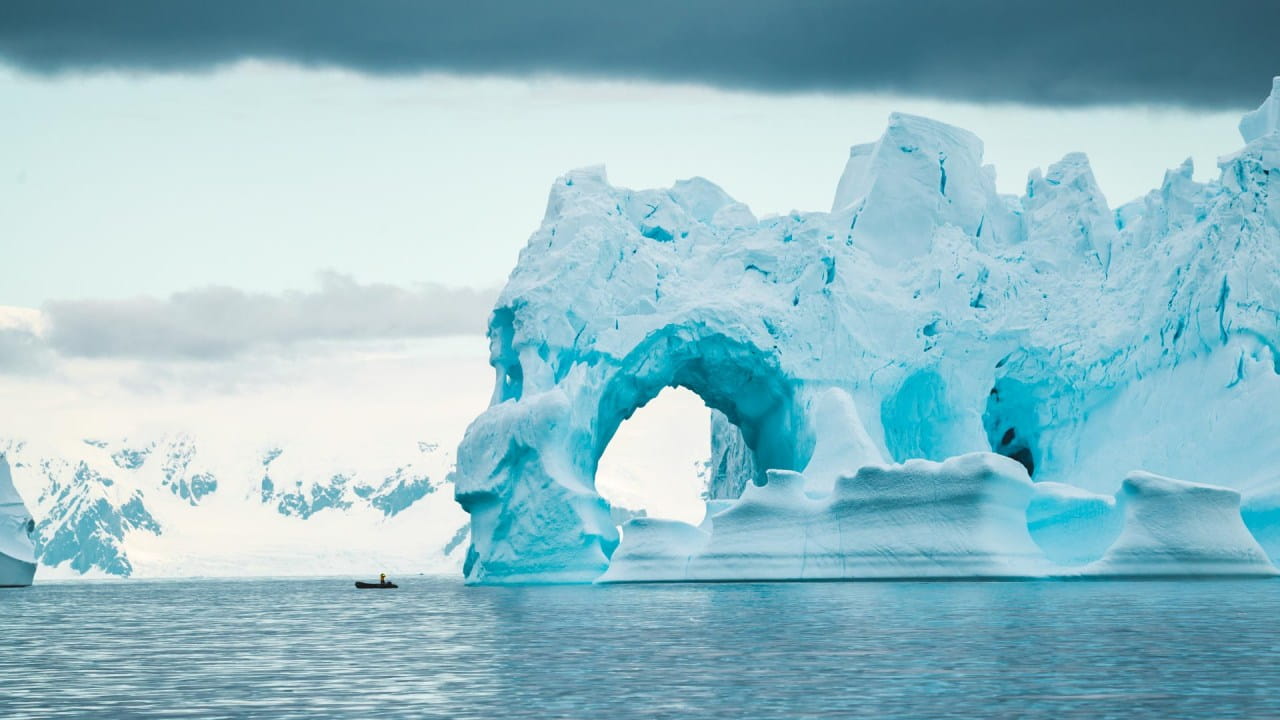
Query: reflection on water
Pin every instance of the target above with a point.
(320, 648)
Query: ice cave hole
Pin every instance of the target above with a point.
(656, 463)
(1012, 423)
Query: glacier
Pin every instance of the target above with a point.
(17, 548)
(930, 379)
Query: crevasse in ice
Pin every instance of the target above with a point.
(857, 360)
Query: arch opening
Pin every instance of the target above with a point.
(656, 464)
(739, 380)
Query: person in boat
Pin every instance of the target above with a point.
(382, 579)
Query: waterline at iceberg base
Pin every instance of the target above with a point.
(17, 550)
(962, 518)
(930, 380)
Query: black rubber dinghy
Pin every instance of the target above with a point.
(376, 586)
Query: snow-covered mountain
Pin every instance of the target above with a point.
(177, 504)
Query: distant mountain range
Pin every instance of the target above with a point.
(173, 505)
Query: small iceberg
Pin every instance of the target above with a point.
(17, 550)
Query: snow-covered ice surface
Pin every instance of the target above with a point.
(924, 317)
(17, 550)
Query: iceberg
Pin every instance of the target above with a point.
(892, 360)
(17, 550)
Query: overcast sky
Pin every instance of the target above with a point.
(1185, 52)
(258, 176)
(163, 146)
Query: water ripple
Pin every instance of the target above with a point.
(311, 648)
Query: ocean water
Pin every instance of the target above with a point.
(320, 648)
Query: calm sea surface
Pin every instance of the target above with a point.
(320, 648)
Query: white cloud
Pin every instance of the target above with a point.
(215, 323)
(366, 396)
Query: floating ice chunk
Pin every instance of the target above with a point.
(1072, 525)
(1173, 527)
(17, 551)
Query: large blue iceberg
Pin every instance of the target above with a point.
(930, 380)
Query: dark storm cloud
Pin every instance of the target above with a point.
(219, 322)
(1067, 52)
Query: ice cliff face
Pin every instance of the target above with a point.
(174, 505)
(924, 317)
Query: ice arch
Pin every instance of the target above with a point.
(540, 451)
(739, 380)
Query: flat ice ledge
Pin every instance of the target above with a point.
(972, 516)
(961, 518)
(1173, 527)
